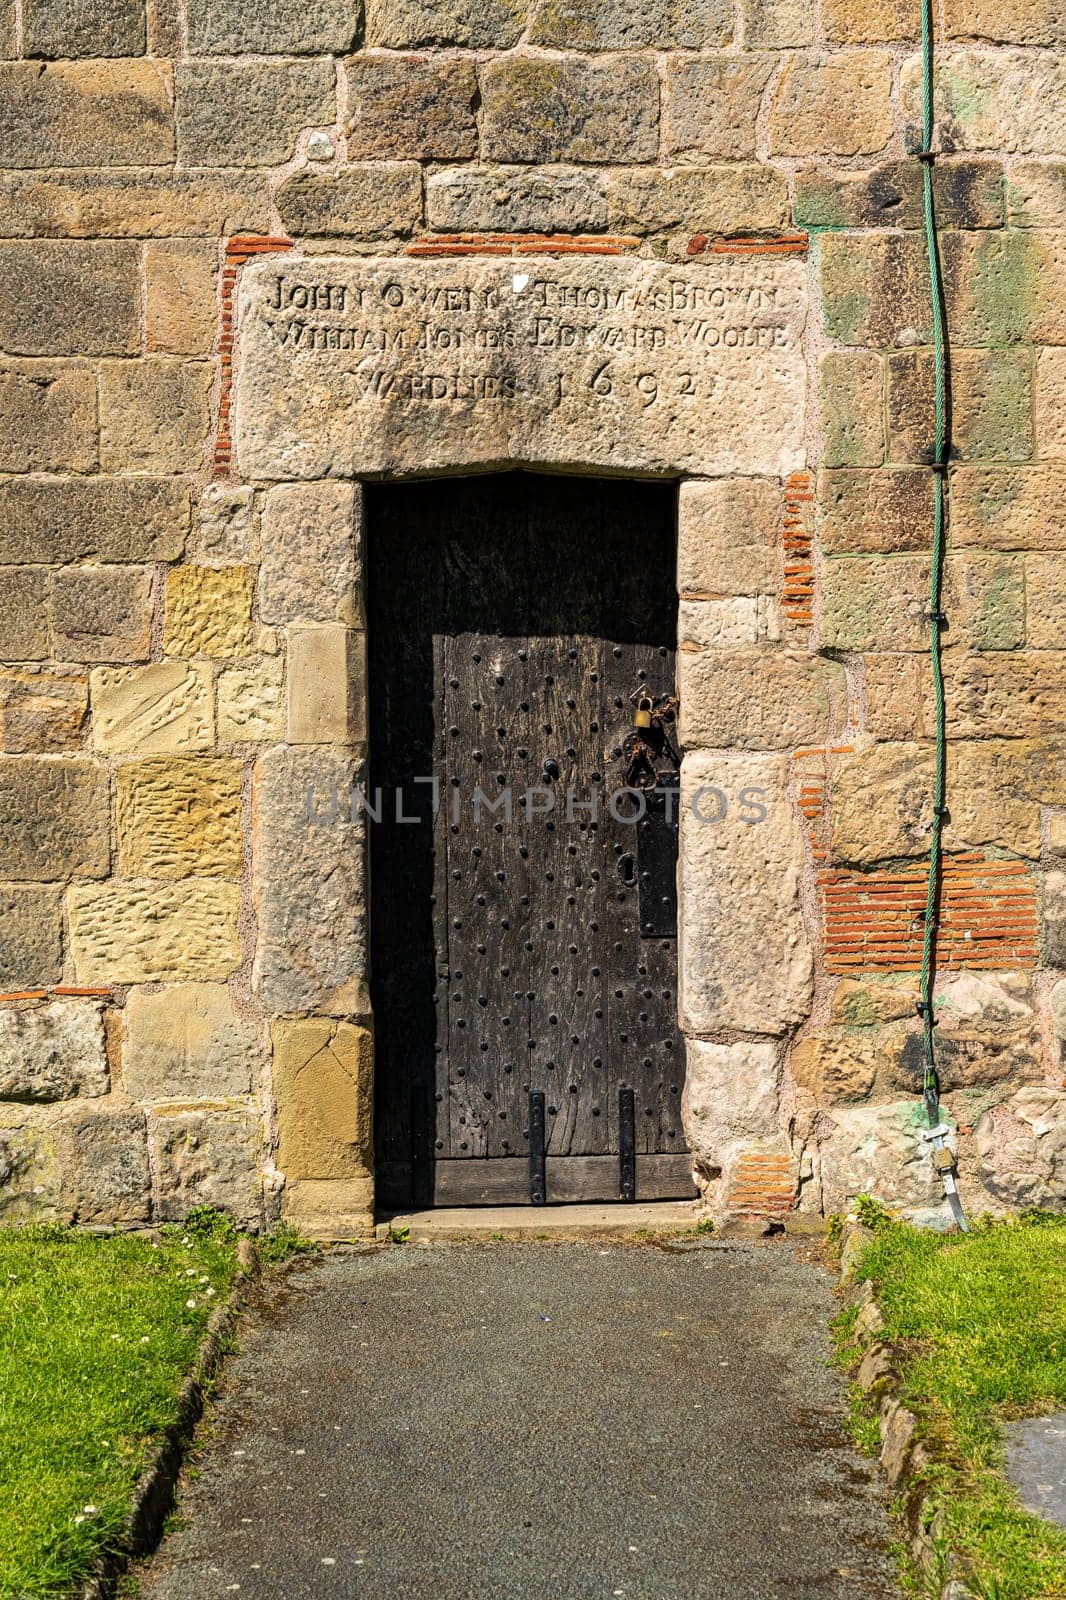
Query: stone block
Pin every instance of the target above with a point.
(29, 1169)
(1050, 404)
(986, 601)
(23, 614)
(1056, 833)
(898, 696)
(42, 710)
(631, 24)
(849, 394)
(154, 415)
(310, 557)
(154, 933)
(60, 297)
(251, 703)
(179, 817)
(711, 200)
(863, 513)
(54, 818)
(727, 531)
(326, 699)
(837, 1067)
(875, 603)
(868, 21)
(187, 1042)
(1038, 22)
(712, 105)
(1009, 508)
(1057, 1005)
(861, 1003)
(207, 1158)
(1009, 101)
(248, 113)
(757, 699)
(1036, 194)
(226, 526)
(67, 28)
(102, 613)
(1055, 918)
(994, 789)
(331, 1208)
(180, 310)
(987, 1034)
(369, 200)
(732, 1095)
(161, 709)
(86, 114)
(1045, 602)
(130, 203)
(54, 1051)
(422, 24)
(515, 200)
(728, 624)
(1007, 286)
(876, 1149)
(569, 108)
(287, 27)
(417, 108)
(745, 958)
(103, 1163)
(1021, 1149)
(882, 803)
(568, 354)
(875, 289)
(324, 1088)
(968, 194)
(208, 611)
(309, 883)
(776, 24)
(95, 519)
(840, 106)
(31, 936)
(1009, 694)
(47, 417)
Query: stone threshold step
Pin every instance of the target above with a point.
(533, 1222)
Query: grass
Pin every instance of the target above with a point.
(96, 1337)
(979, 1322)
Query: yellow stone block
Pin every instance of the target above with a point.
(179, 818)
(157, 932)
(208, 612)
(323, 1083)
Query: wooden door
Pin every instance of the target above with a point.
(511, 619)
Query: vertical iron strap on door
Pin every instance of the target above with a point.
(538, 1193)
(627, 1145)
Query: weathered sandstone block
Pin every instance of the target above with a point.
(727, 531)
(132, 202)
(286, 27)
(102, 613)
(86, 114)
(569, 108)
(226, 526)
(777, 24)
(67, 28)
(275, 100)
(207, 1158)
(47, 417)
(872, 512)
(1009, 508)
(54, 818)
(629, 365)
(1010, 101)
(153, 415)
(208, 611)
(1021, 1148)
(837, 1067)
(876, 1150)
(102, 519)
(732, 1094)
(162, 709)
(179, 817)
(102, 1158)
(510, 199)
(251, 703)
(147, 933)
(849, 393)
(842, 106)
(631, 24)
(53, 1052)
(186, 1042)
(745, 959)
(324, 1086)
(180, 309)
(326, 685)
(310, 888)
(419, 108)
(470, 24)
(711, 200)
(969, 193)
(311, 535)
(368, 200)
(92, 306)
(757, 700)
(712, 105)
(31, 944)
(24, 614)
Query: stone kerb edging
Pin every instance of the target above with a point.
(904, 1459)
(153, 1495)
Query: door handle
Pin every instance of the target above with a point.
(627, 869)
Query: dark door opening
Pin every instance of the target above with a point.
(515, 989)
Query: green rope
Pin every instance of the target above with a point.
(931, 1083)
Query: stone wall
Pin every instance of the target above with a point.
(185, 1017)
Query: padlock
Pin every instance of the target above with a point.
(642, 715)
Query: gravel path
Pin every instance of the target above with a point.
(533, 1422)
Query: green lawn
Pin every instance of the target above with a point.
(96, 1337)
(980, 1322)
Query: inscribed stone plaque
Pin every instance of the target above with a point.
(354, 368)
